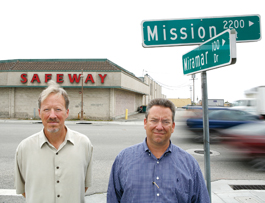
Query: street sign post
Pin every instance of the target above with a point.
(216, 52)
(217, 37)
(177, 32)
(206, 134)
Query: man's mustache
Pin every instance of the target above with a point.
(53, 120)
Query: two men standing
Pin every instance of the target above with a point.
(55, 164)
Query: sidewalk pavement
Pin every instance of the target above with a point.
(222, 192)
(134, 119)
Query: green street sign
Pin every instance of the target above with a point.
(177, 32)
(216, 52)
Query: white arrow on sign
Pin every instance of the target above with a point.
(250, 23)
(223, 42)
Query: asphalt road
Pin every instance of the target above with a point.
(108, 140)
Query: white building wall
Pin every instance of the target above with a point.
(4, 102)
(26, 102)
(130, 83)
(155, 90)
(99, 103)
(123, 100)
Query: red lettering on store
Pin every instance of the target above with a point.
(24, 78)
(89, 77)
(74, 78)
(48, 77)
(59, 78)
(35, 78)
(102, 77)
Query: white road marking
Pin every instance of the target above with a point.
(8, 192)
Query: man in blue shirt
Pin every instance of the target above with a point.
(156, 170)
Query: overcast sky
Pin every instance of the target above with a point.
(55, 29)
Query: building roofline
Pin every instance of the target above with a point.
(16, 61)
(53, 60)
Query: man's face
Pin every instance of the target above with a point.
(159, 126)
(53, 113)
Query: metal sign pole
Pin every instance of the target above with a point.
(206, 139)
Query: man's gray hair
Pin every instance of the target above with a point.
(161, 102)
(53, 87)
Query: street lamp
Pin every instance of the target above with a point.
(82, 97)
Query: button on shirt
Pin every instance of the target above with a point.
(49, 175)
(138, 176)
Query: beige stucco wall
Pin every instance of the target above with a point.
(130, 83)
(26, 102)
(155, 90)
(99, 103)
(180, 102)
(126, 100)
(4, 102)
(19, 102)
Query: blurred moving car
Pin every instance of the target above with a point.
(186, 106)
(249, 141)
(246, 104)
(219, 118)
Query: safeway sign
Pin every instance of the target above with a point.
(176, 32)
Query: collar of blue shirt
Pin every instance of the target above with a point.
(169, 149)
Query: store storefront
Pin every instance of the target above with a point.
(108, 89)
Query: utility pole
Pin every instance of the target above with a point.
(191, 94)
(82, 98)
(193, 78)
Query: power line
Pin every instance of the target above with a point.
(168, 86)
